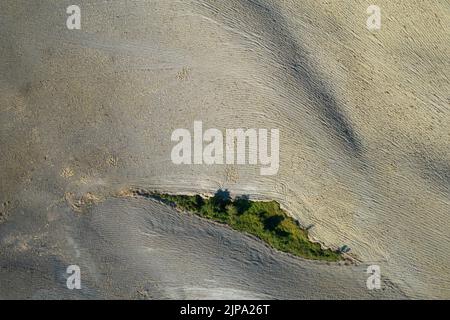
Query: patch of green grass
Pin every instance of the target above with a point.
(265, 220)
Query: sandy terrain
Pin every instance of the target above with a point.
(140, 249)
(364, 142)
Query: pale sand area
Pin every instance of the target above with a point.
(140, 249)
(363, 118)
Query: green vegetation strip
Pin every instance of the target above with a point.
(263, 219)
